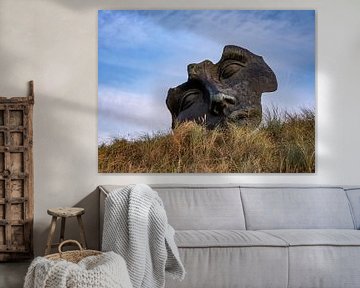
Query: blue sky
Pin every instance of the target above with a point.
(144, 53)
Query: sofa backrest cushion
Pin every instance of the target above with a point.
(203, 208)
(354, 198)
(296, 208)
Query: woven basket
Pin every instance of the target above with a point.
(72, 256)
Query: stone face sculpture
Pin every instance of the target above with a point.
(228, 91)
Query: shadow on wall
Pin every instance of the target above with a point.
(91, 222)
(61, 166)
(78, 4)
(94, 4)
(65, 144)
(63, 155)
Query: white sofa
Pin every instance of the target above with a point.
(264, 236)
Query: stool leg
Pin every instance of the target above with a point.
(62, 231)
(82, 232)
(51, 234)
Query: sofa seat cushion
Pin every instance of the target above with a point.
(226, 238)
(235, 267)
(317, 237)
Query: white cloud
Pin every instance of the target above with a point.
(123, 31)
(122, 113)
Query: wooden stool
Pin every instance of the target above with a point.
(64, 213)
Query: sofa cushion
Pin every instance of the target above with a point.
(324, 266)
(226, 238)
(296, 208)
(199, 207)
(322, 258)
(192, 208)
(315, 237)
(220, 267)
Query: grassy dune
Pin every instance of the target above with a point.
(284, 143)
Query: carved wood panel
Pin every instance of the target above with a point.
(16, 177)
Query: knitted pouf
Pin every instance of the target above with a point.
(104, 270)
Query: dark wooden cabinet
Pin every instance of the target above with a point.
(16, 177)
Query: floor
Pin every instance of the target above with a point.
(12, 274)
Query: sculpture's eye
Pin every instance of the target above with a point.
(189, 98)
(230, 68)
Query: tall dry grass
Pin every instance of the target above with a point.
(284, 143)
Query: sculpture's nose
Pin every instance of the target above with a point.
(219, 102)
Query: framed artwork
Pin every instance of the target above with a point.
(206, 91)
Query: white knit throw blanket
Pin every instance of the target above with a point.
(136, 227)
(103, 271)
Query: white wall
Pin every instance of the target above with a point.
(55, 44)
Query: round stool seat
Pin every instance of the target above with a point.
(66, 211)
